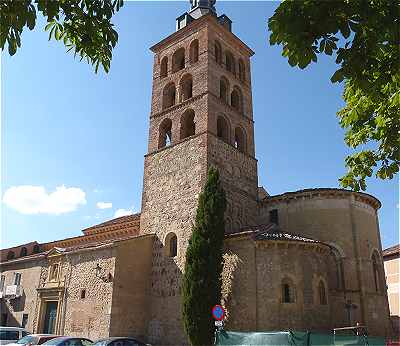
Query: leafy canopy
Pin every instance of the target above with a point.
(201, 285)
(84, 26)
(364, 36)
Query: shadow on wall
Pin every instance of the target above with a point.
(7, 318)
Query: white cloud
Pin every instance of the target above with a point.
(27, 199)
(123, 212)
(104, 205)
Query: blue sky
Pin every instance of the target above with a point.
(71, 139)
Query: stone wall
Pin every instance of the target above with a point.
(17, 307)
(132, 283)
(256, 301)
(348, 222)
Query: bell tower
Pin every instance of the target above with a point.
(201, 116)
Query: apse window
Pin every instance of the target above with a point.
(273, 216)
(288, 291)
(322, 293)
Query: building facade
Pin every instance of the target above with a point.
(391, 259)
(307, 260)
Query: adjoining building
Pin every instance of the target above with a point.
(391, 260)
(309, 260)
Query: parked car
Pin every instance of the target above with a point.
(119, 341)
(9, 335)
(69, 341)
(34, 339)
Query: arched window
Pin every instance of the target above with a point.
(164, 67)
(236, 99)
(375, 270)
(186, 88)
(10, 255)
(165, 133)
(240, 140)
(188, 127)
(288, 291)
(194, 51)
(171, 245)
(218, 52)
(337, 256)
(222, 129)
(230, 62)
(24, 251)
(169, 95)
(242, 73)
(224, 89)
(178, 60)
(322, 293)
(36, 249)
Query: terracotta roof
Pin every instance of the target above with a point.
(392, 251)
(325, 190)
(119, 222)
(271, 232)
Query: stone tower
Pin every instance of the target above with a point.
(201, 115)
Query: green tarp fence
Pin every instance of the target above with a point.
(292, 338)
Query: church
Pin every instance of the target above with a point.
(307, 260)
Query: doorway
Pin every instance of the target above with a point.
(50, 318)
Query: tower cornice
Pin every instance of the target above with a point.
(204, 20)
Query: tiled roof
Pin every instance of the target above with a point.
(123, 221)
(392, 251)
(271, 232)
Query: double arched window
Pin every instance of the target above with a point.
(186, 88)
(188, 126)
(194, 51)
(165, 133)
(169, 96)
(178, 60)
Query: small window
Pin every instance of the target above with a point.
(164, 67)
(273, 216)
(165, 133)
(24, 321)
(10, 255)
(83, 294)
(218, 53)
(17, 278)
(171, 245)
(188, 127)
(194, 51)
(178, 60)
(322, 293)
(288, 291)
(24, 251)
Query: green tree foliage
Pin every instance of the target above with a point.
(364, 36)
(84, 26)
(201, 284)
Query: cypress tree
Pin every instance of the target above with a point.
(201, 285)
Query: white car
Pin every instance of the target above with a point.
(10, 335)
